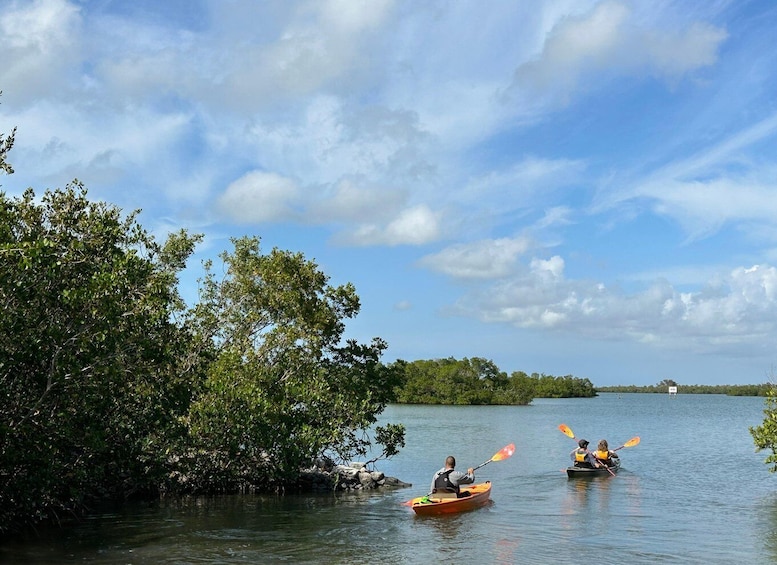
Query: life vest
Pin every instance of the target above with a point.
(602, 455)
(580, 456)
(442, 481)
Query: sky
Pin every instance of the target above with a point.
(564, 187)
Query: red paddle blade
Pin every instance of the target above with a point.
(504, 453)
(566, 431)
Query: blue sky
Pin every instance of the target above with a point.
(563, 187)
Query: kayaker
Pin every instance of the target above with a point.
(448, 479)
(582, 457)
(604, 455)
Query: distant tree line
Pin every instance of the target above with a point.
(663, 387)
(478, 381)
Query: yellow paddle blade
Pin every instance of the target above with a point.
(504, 453)
(632, 442)
(566, 431)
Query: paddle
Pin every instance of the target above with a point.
(500, 455)
(567, 431)
(631, 443)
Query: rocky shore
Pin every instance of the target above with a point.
(351, 477)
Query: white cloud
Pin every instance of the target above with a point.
(259, 196)
(555, 216)
(39, 41)
(522, 183)
(382, 122)
(710, 189)
(412, 226)
(610, 39)
(352, 203)
(738, 308)
(549, 270)
(487, 259)
(703, 207)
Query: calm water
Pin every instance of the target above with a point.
(693, 491)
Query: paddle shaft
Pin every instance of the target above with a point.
(481, 465)
(631, 443)
(601, 463)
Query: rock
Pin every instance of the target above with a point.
(394, 482)
(349, 472)
(345, 478)
(366, 480)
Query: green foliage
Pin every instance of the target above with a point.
(391, 437)
(765, 435)
(548, 386)
(283, 390)
(6, 143)
(91, 378)
(663, 387)
(451, 381)
(110, 387)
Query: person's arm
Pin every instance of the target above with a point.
(459, 478)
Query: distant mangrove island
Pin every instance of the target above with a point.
(663, 386)
(478, 381)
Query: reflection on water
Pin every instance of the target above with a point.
(689, 511)
(767, 514)
(587, 496)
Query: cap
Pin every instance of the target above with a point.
(582, 442)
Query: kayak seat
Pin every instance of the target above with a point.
(442, 493)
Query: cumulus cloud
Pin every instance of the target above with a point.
(738, 307)
(382, 122)
(416, 225)
(259, 196)
(487, 259)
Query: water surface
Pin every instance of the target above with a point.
(692, 491)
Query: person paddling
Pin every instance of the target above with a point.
(582, 457)
(604, 455)
(448, 479)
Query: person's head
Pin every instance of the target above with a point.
(450, 462)
(583, 443)
(603, 445)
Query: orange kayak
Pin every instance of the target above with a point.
(431, 505)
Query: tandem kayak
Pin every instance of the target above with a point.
(431, 504)
(581, 472)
